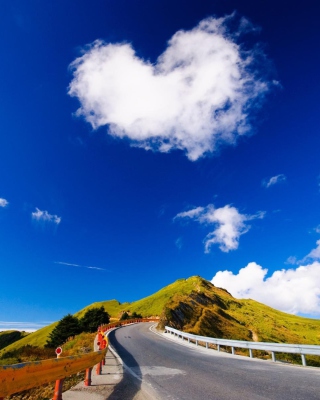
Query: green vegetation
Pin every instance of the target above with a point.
(93, 318)
(8, 337)
(196, 306)
(126, 316)
(70, 326)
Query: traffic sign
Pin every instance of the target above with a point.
(58, 351)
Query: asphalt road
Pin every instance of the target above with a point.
(170, 370)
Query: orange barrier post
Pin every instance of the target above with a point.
(58, 390)
(87, 381)
(99, 368)
(58, 387)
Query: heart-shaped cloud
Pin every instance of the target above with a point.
(195, 97)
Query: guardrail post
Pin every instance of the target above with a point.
(250, 353)
(196, 342)
(218, 347)
(304, 362)
(206, 345)
(58, 390)
(232, 350)
(87, 381)
(273, 354)
(99, 368)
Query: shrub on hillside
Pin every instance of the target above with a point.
(125, 316)
(67, 326)
(93, 318)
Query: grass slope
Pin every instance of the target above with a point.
(8, 337)
(211, 311)
(37, 338)
(196, 306)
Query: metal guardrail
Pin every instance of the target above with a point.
(273, 348)
(18, 377)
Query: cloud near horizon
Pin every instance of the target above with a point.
(295, 291)
(3, 202)
(44, 216)
(229, 225)
(22, 326)
(196, 96)
(274, 180)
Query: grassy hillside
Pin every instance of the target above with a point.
(37, 338)
(196, 306)
(211, 311)
(8, 337)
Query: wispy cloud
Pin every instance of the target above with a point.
(195, 97)
(22, 326)
(179, 243)
(290, 290)
(273, 180)
(314, 253)
(80, 266)
(3, 202)
(229, 225)
(44, 216)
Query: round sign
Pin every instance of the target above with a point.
(58, 350)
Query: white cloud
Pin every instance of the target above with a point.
(317, 229)
(293, 290)
(314, 253)
(3, 202)
(22, 326)
(77, 265)
(44, 216)
(229, 225)
(274, 180)
(195, 97)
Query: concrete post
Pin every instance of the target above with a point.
(273, 354)
(250, 353)
(304, 362)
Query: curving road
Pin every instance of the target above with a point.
(173, 371)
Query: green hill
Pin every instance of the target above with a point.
(8, 337)
(210, 311)
(195, 305)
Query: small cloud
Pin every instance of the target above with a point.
(274, 180)
(293, 290)
(197, 96)
(80, 266)
(317, 229)
(292, 260)
(229, 225)
(179, 243)
(44, 216)
(3, 202)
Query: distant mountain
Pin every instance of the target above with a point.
(9, 337)
(196, 306)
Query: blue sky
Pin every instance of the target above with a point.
(146, 141)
